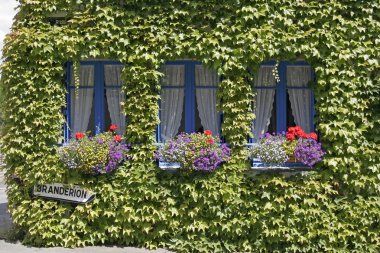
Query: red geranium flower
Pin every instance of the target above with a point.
(79, 135)
(210, 141)
(208, 132)
(113, 127)
(297, 131)
(313, 135)
(291, 130)
(290, 137)
(117, 138)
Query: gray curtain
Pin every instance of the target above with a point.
(264, 100)
(81, 103)
(206, 98)
(171, 100)
(300, 99)
(115, 96)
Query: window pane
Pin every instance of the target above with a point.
(174, 75)
(265, 77)
(114, 98)
(205, 76)
(81, 100)
(272, 127)
(199, 128)
(290, 122)
(300, 95)
(264, 104)
(86, 76)
(298, 76)
(112, 75)
(172, 100)
(300, 107)
(81, 106)
(206, 111)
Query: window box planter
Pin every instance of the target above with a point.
(192, 153)
(293, 151)
(94, 155)
(287, 169)
(168, 166)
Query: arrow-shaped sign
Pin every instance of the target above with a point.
(63, 192)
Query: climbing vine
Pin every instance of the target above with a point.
(335, 208)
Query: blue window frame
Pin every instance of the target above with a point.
(99, 113)
(190, 116)
(282, 117)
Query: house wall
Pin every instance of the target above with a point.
(335, 208)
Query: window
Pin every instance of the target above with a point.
(97, 103)
(188, 99)
(284, 103)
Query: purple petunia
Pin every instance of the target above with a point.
(309, 151)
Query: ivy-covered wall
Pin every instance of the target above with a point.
(334, 209)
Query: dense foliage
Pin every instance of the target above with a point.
(334, 209)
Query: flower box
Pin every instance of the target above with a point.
(94, 155)
(292, 159)
(286, 150)
(169, 165)
(192, 153)
(286, 169)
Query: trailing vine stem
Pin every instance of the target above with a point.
(76, 71)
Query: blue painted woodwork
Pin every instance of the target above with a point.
(99, 97)
(281, 90)
(66, 131)
(99, 94)
(190, 88)
(190, 97)
(312, 114)
(281, 98)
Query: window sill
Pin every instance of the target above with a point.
(169, 167)
(288, 169)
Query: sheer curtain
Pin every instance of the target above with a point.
(172, 100)
(81, 103)
(206, 98)
(264, 100)
(115, 96)
(300, 99)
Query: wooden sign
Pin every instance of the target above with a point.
(63, 192)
